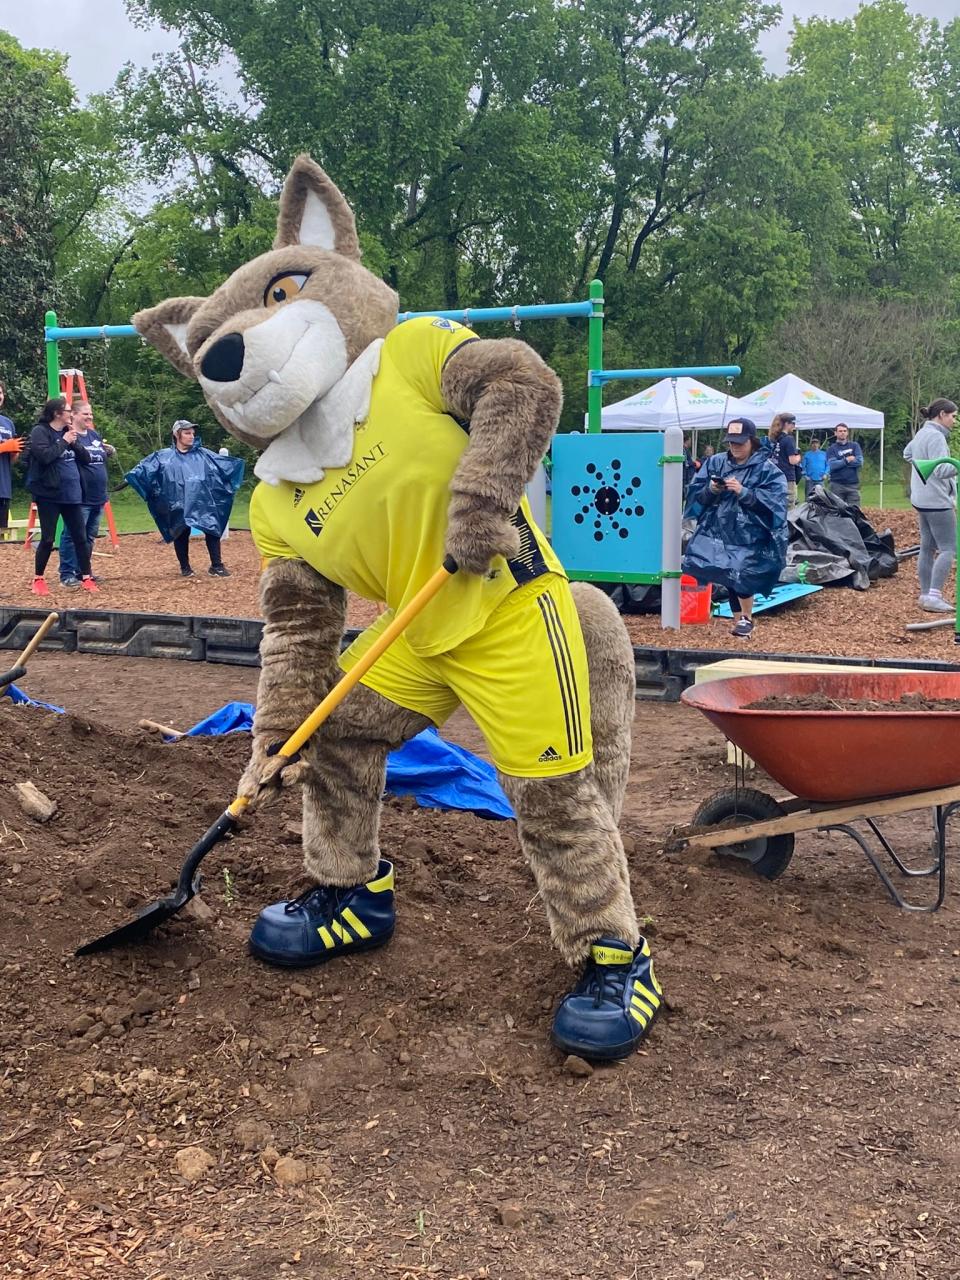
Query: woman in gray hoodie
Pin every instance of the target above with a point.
(935, 504)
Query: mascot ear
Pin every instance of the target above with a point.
(312, 211)
(165, 327)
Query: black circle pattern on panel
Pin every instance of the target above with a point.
(606, 499)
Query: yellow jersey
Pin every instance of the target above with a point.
(377, 526)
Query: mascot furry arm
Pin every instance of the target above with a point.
(512, 402)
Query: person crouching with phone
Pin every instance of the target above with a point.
(739, 501)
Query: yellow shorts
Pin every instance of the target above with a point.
(522, 678)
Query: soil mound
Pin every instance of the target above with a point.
(176, 1110)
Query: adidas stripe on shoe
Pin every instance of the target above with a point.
(326, 921)
(614, 1004)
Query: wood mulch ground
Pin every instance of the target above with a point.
(143, 576)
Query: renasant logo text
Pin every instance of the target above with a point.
(315, 517)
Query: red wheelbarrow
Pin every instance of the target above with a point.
(841, 766)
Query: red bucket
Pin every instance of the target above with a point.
(695, 601)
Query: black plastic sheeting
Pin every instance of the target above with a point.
(831, 544)
(834, 544)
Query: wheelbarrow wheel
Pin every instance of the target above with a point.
(769, 856)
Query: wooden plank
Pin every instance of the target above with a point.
(810, 819)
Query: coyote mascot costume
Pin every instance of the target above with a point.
(385, 448)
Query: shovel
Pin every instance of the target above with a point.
(20, 668)
(188, 884)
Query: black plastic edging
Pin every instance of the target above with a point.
(662, 674)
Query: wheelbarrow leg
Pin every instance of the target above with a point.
(942, 814)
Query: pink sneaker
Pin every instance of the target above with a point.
(40, 588)
(88, 584)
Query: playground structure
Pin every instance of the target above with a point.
(604, 528)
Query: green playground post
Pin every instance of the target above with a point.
(595, 355)
(53, 357)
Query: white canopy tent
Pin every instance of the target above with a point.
(691, 405)
(814, 410)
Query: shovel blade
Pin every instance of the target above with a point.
(140, 927)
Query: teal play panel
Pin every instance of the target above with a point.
(782, 593)
(607, 513)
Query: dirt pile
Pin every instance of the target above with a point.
(821, 702)
(178, 1110)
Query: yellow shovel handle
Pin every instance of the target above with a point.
(38, 635)
(360, 668)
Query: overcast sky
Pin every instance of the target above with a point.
(100, 39)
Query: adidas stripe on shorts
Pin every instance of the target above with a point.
(522, 678)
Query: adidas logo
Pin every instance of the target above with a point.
(549, 755)
(297, 496)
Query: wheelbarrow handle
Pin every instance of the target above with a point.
(323, 710)
(20, 666)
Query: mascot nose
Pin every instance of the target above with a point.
(224, 361)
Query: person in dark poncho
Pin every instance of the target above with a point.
(739, 500)
(189, 487)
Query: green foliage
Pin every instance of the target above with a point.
(504, 152)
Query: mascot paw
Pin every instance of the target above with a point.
(267, 772)
(476, 535)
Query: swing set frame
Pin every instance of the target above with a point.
(590, 309)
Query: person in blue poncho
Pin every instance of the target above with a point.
(739, 500)
(189, 487)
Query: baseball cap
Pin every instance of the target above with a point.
(182, 424)
(740, 429)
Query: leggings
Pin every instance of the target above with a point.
(4, 512)
(938, 547)
(181, 545)
(736, 602)
(72, 513)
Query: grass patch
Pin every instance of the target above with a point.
(131, 515)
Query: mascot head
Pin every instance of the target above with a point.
(273, 347)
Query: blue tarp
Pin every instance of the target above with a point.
(438, 774)
(18, 696)
(782, 593)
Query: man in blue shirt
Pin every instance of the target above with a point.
(814, 467)
(844, 460)
(93, 483)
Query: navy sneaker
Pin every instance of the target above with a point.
(218, 571)
(326, 921)
(613, 1005)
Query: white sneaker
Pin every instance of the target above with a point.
(936, 604)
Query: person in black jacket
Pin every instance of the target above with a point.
(53, 478)
(93, 486)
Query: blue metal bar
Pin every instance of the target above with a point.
(597, 377)
(58, 334)
(470, 315)
(488, 315)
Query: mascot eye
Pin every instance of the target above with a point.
(283, 288)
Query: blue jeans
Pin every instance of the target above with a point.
(68, 556)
